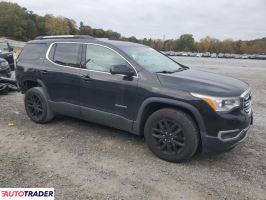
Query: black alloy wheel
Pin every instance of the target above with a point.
(35, 107)
(169, 136)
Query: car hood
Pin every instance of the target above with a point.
(205, 83)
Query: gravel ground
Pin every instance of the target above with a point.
(82, 160)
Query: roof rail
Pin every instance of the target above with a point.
(64, 37)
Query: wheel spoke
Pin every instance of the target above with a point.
(163, 146)
(157, 130)
(35, 107)
(172, 128)
(161, 126)
(160, 140)
(157, 136)
(166, 125)
(177, 143)
(168, 136)
(34, 112)
(174, 146)
(177, 131)
(168, 147)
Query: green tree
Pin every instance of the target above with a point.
(14, 21)
(185, 42)
(73, 28)
(100, 33)
(132, 39)
(85, 30)
(56, 25)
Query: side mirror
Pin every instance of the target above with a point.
(122, 69)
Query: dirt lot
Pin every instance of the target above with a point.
(82, 160)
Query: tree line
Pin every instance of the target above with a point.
(19, 23)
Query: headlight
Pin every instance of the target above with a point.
(3, 64)
(220, 103)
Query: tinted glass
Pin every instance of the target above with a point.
(67, 54)
(100, 58)
(151, 59)
(33, 51)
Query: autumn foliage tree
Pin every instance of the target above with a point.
(21, 24)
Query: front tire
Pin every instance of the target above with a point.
(36, 105)
(172, 135)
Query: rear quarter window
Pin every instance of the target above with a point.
(66, 54)
(33, 51)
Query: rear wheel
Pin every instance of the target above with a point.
(36, 105)
(171, 134)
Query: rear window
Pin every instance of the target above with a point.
(33, 51)
(67, 54)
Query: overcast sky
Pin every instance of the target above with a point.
(222, 19)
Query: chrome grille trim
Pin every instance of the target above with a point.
(246, 101)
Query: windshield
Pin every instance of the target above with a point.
(151, 59)
(4, 47)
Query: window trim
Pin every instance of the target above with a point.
(86, 43)
(50, 48)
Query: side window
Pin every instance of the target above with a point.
(33, 51)
(100, 58)
(67, 54)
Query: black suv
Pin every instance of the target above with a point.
(6, 52)
(134, 88)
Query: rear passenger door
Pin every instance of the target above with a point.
(61, 74)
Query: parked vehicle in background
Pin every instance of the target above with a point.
(220, 55)
(237, 56)
(171, 53)
(167, 53)
(178, 53)
(228, 55)
(261, 57)
(192, 54)
(134, 88)
(206, 54)
(199, 55)
(253, 56)
(6, 52)
(245, 56)
(184, 54)
(5, 70)
(214, 55)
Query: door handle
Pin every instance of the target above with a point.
(44, 72)
(86, 77)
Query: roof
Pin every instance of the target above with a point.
(119, 43)
(83, 39)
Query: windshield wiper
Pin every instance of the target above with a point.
(165, 72)
(170, 72)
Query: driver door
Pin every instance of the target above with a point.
(102, 94)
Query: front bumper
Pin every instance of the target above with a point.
(226, 139)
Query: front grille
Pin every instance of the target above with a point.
(246, 101)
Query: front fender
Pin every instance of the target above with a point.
(183, 105)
